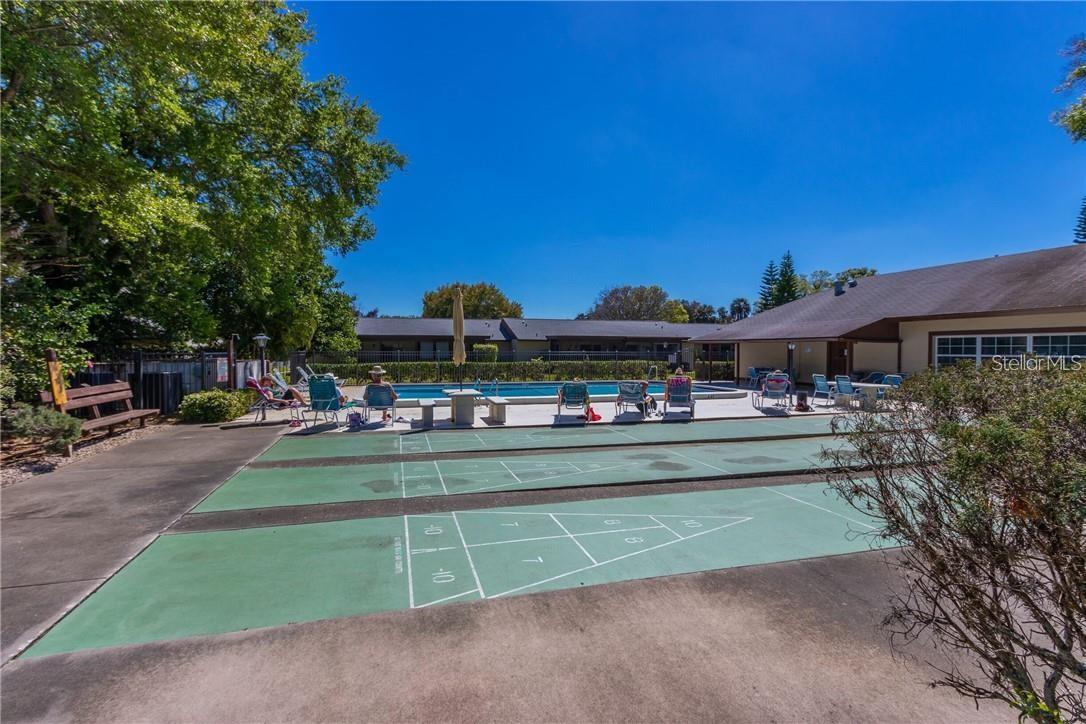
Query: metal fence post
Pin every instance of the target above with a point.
(137, 376)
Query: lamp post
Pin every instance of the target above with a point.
(262, 342)
(791, 371)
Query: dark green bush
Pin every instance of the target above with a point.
(521, 371)
(43, 424)
(215, 406)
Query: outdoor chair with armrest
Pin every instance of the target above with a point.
(324, 399)
(573, 396)
(680, 393)
(630, 394)
(378, 397)
(821, 387)
(776, 386)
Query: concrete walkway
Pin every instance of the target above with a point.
(67, 531)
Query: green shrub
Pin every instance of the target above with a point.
(215, 406)
(43, 424)
(486, 352)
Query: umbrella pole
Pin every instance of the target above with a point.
(460, 370)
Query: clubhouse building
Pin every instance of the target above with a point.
(1029, 303)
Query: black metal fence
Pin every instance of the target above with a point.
(372, 356)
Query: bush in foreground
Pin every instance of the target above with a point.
(55, 430)
(981, 475)
(214, 406)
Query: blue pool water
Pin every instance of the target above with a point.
(512, 389)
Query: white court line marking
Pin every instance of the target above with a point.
(433, 550)
(548, 479)
(666, 526)
(819, 507)
(583, 549)
(510, 470)
(447, 598)
(399, 439)
(626, 434)
(607, 515)
(403, 481)
(429, 447)
(575, 535)
(481, 440)
(471, 563)
(410, 584)
(699, 462)
(440, 477)
(612, 560)
(429, 515)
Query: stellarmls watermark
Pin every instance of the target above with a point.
(1038, 364)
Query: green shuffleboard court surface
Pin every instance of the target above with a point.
(300, 446)
(275, 487)
(210, 583)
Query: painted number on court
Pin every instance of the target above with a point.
(433, 530)
(442, 576)
(634, 540)
(691, 524)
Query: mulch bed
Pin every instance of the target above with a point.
(22, 459)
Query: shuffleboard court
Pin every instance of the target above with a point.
(343, 444)
(276, 487)
(210, 583)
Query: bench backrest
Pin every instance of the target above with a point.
(94, 395)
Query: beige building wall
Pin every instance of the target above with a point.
(874, 357)
(809, 357)
(531, 347)
(914, 335)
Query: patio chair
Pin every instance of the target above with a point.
(845, 387)
(873, 377)
(680, 393)
(378, 397)
(776, 386)
(630, 394)
(892, 380)
(324, 399)
(821, 387)
(322, 374)
(574, 396)
(753, 377)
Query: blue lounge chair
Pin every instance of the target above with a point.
(630, 394)
(892, 380)
(680, 393)
(845, 387)
(821, 387)
(573, 396)
(378, 397)
(874, 377)
(752, 378)
(776, 386)
(324, 399)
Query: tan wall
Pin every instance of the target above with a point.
(914, 335)
(762, 354)
(810, 358)
(874, 357)
(532, 346)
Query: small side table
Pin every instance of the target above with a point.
(463, 405)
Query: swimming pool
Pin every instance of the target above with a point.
(512, 389)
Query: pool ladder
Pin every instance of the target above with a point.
(652, 372)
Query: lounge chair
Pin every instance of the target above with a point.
(573, 396)
(821, 387)
(892, 380)
(680, 393)
(321, 374)
(265, 402)
(776, 386)
(378, 397)
(873, 378)
(630, 394)
(752, 378)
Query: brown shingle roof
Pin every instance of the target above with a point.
(1049, 279)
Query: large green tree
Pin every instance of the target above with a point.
(738, 309)
(699, 311)
(481, 301)
(787, 288)
(767, 292)
(629, 302)
(170, 163)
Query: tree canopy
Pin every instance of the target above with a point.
(629, 302)
(1073, 117)
(767, 291)
(700, 312)
(170, 167)
(481, 301)
(738, 309)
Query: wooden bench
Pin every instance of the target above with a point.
(427, 412)
(497, 408)
(90, 397)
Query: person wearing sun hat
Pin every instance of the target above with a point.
(377, 373)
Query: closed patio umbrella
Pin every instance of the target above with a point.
(459, 354)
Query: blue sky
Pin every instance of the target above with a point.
(559, 149)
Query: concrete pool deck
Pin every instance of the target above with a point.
(536, 414)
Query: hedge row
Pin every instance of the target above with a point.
(523, 371)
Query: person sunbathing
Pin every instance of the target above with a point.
(289, 396)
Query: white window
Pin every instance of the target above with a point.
(951, 349)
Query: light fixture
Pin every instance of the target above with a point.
(261, 340)
(791, 346)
